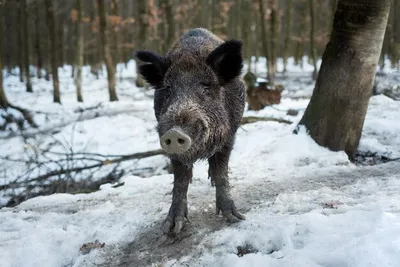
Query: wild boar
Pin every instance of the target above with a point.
(199, 101)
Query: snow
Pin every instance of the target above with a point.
(304, 204)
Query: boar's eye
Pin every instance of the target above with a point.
(206, 88)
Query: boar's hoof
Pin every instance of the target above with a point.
(175, 219)
(228, 209)
(175, 141)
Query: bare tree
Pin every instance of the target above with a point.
(3, 98)
(106, 51)
(26, 46)
(288, 25)
(337, 109)
(53, 50)
(313, 52)
(79, 51)
(38, 47)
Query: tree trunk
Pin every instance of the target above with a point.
(38, 47)
(117, 54)
(26, 46)
(169, 13)
(20, 43)
(273, 41)
(313, 53)
(288, 25)
(79, 51)
(396, 34)
(106, 51)
(142, 40)
(336, 112)
(53, 50)
(264, 38)
(3, 98)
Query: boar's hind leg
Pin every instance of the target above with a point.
(178, 211)
(218, 168)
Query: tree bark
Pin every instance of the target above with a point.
(336, 112)
(106, 51)
(38, 47)
(79, 51)
(313, 53)
(53, 50)
(288, 25)
(3, 98)
(26, 46)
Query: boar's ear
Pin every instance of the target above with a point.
(154, 67)
(226, 60)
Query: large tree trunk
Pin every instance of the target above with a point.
(106, 51)
(26, 46)
(3, 98)
(336, 112)
(38, 47)
(79, 51)
(53, 50)
(313, 52)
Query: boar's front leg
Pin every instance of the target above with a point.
(218, 169)
(178, 211)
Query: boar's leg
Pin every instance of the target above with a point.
(218, 168)
(178, 211)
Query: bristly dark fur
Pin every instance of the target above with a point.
(199, 89)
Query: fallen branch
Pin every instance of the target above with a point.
(252, 119)
(104, 162)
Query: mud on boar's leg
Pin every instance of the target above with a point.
(218, 169)
(178, 210)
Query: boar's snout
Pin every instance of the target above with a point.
(175, 141)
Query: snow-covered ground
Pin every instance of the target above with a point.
(304, 205)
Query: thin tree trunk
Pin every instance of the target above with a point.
(396, 34)
(288, 25)
(38, 47)
(264, 40)
(273, 43)
(20, 43)
(106, 51)
(53, 50)
(3, 98)
(313, 53)
(26, 46)
(79, 51)
(169, 13)
(117, 53)
(142, 40)
(337, 109)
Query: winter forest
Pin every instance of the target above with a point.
(199, 133)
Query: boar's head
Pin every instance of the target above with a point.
(190, 99)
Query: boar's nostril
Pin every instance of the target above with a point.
(181, 141)
(168, 142)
